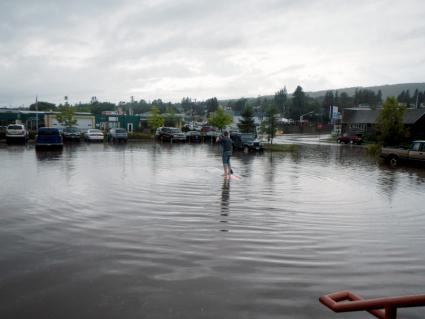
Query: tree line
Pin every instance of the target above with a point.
(287, 105)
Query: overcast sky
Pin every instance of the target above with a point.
(170, 49)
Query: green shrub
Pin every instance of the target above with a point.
(373, 149)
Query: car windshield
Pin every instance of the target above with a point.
(175, 130)
(247, 137)
(48, 131)
(95, 131)
(15, 127)
(120, 130)
(71, 130)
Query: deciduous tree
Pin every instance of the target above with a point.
(390, 126)
(269, 125)
(155, 119)
(66, 116)
(220, 118)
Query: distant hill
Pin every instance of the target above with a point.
(387, 90)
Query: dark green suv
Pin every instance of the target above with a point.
(246, 141)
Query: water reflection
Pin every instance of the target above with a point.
(133, 229)
(49, 155)
(225, 199)
(387, 180)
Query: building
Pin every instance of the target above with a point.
(111, 119)
(363, 121)
(31, 119)
(34, 119)
(84, 120)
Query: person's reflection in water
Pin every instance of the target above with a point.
(225, 196)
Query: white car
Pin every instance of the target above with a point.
(16, 132)
(93, 135)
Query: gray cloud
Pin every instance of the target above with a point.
(170, 49)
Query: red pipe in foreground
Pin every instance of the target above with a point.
(381, 308)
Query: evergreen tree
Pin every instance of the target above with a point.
(407, 98)
(280, 99)
(211, 105)
(415, 97)
(239, 105)
(336, 98)
(187, 104)
(97, 108)
(170, 118)
(246, 123)
(379, 97)
(298, 102)
(345, 100)
(421, 98)
(329, 99)
(43, 106)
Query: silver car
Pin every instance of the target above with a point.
(93, 135)
(117, 135)
(16, 133)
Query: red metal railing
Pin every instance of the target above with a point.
(381, 308)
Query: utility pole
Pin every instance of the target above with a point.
(36, 113)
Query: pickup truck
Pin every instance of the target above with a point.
(416, 152)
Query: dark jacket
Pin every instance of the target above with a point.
(226, 143)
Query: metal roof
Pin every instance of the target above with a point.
(368, 116)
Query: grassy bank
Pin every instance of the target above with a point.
(280, 147)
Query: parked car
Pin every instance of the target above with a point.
(93, 135)
(71, 134)
(350, 139)
(193, 136)
(170, 134)
(393, 155)
(246, 141)
(117, 135)
(205, 129)
(16, 133)
(48, 137)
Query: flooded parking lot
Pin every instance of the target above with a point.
(154, 231)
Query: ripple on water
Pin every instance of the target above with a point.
(157, 227)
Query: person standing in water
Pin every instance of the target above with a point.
(227, 147)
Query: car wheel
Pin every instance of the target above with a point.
(393, 161)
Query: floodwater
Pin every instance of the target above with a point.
(154, 231)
